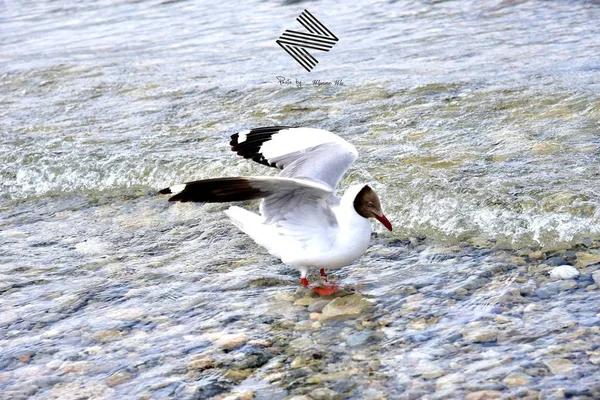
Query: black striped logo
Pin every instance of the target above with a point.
(295, 43)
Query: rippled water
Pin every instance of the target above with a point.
(476, 122)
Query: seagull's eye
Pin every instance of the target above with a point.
(370, 204)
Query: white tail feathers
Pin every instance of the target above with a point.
(243, 219)
(252, 225)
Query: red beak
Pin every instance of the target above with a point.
(381, 218)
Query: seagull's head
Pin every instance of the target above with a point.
(367, 204)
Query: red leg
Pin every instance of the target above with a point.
(323, 274)
(326, 290)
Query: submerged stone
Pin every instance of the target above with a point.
(360, 338)
(118, 378)
(479, 332)
(517, 379)
(596, 278)
(343, 308)
(559, 366)
(555, 261)
(318, 306)
(231, 341)
(199, 362)
(585, 259)
(553, 288)
(324, 394)
(484, 395)
(564, 272)
(305, 301)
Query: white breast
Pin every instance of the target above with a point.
(351, 242)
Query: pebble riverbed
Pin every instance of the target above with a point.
(454, 322)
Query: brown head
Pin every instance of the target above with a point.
(367, 204)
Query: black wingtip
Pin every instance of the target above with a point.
(218, 190)
(234, 141)
(254, 139)
(165, 191)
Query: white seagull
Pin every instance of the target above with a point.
(301, 221)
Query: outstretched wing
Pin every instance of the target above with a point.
(298, 208)
(222, 190)
(304, 153)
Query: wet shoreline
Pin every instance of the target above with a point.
(455, 321)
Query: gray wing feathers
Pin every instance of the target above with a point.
(325, 163)
(301, 212)
(289, 203)
(307, 153)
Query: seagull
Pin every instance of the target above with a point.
(301, 221)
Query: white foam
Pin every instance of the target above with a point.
(93, 246)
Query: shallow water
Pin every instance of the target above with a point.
(476, 122)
